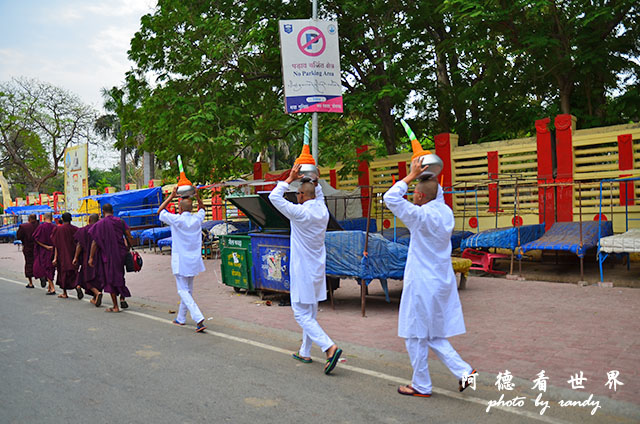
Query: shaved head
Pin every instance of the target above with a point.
(428, 189)
(66, 217)
(308, 189)
(93, 218)
(107, 208)
(32, 218)
(186, 205)
(48, 216)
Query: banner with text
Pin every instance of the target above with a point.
(310, 66)
(76, 176)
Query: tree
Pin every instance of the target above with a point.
(38, 121)
(483, 70)
(578, 54)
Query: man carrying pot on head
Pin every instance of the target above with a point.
(309, 220)
(430, 309)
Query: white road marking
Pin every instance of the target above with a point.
(364, 371)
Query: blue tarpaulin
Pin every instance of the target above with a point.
(386, 259)
(403, 236)
(27, 210)
(146, 198)
(359, 224)
(503, 238)
(140, 217)
(138, 212)
(566, 236)
(164, 242)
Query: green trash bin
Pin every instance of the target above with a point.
(236, 263)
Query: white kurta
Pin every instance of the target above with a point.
(308, 255)
(429, 306)
(186, 242)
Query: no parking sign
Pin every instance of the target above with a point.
(310, 66)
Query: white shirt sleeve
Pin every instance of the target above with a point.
(167, 217)
(412, 215)
(319, 192)
(201, 214)
(288, 209)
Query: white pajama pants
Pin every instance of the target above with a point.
(185, 291)
(305, 314)
(418, 352)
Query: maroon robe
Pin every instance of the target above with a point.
(108, 234)
(42, 266)
(62, 238)
(87, 277)
(25, 235)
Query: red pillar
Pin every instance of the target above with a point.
(257, 171)
(625, 162)
(493, 165)
(333, 178)
(564, 155)
(546, 195)
(217, 207)
(443, 150)
(402, 170)
(363, 180)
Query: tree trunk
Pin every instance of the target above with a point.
(123, 167)
(565, 86)
(443, 83)
(384, 107)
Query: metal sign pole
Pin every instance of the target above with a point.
(314, 115)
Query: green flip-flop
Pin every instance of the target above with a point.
(301, 359)
(333, 361)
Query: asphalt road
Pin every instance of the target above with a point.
(64, 361)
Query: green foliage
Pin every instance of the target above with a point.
(38, 121)
(483, 70)
(99, 178)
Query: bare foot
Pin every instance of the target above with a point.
(112, 310)
(63, 296)
(331, 351)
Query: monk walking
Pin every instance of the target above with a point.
(64, 249)
(87, 276)
(108, 247)
(308, 220)
(25, 235)
(43, 252)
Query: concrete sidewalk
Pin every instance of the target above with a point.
(520, 326)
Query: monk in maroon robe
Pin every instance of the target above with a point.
(87, 276)
(43, 252)
(108, 246)
(25, 235)
(65, 248)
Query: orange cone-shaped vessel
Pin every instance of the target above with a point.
(305, 157)
(185, 188)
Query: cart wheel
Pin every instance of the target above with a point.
(236, 289)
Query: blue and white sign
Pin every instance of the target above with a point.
(311, 66)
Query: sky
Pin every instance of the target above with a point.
(77, 45)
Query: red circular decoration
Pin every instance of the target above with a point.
(516, 221)
(386, 223)
(473, 222)
(597, 217)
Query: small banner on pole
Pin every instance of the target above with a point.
(310, 66)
